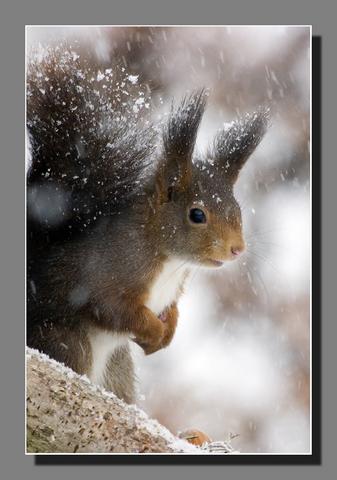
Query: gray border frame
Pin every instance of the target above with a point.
(251, 459)
(322, 15)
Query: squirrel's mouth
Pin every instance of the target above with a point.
(219, 262)
(215, 263)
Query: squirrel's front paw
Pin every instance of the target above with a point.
(157, 332)
(169, 317)
(150, 334)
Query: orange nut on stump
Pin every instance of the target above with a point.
(196, 437)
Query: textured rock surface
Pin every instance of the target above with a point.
(66, 413)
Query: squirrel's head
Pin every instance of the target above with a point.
(196, 214)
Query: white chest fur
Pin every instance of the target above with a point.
(166, 286)
(103, 344)
(165, 290)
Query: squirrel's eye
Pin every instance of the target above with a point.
(197, 215)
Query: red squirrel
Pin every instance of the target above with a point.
(118, 214)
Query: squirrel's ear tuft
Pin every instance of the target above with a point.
(179, 138)
(234, 145)
(181, 131)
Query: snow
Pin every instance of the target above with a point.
(133, 79)
(100, 76)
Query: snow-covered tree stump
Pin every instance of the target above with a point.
(67, 413)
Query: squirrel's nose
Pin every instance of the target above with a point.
(237, 249)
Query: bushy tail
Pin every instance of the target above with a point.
(89, 152)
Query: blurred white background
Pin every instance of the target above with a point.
(240, 360)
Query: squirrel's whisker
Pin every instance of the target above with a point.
(265, 259)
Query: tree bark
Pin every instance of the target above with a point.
(68, 414)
